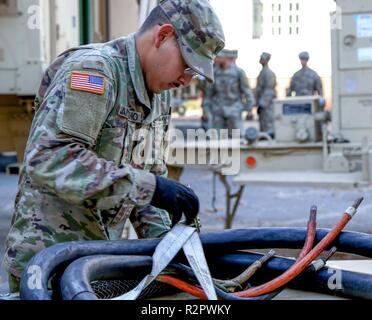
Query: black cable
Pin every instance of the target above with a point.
(57, 257)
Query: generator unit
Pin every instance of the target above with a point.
(304, 151)
(298, 119)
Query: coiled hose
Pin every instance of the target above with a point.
(221, 252)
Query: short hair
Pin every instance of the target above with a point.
(156, 17)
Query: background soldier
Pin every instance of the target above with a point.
(230, 93)
(265, 94)
(99, 108)
(305, 82)
(205, 87)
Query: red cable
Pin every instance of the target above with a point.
(296, 269)
(183, 286)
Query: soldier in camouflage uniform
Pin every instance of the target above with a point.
(94, 154)
(265, 94)
(305, 82)
(205, 87)
(230, 93)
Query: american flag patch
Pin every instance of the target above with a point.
(87, 82)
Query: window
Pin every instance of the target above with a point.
(257, 19)
(8, 8)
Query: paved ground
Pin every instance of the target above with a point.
(260, 206)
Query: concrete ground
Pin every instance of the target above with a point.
(260, 206)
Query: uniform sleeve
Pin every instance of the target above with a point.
(260, 86)
(246, 91)
(60, 156)
(207, 98)
(318, 85)
(291, 86)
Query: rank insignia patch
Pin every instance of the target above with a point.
(87, 82)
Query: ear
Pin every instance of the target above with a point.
(163, 33)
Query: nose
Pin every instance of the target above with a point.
(185, 79)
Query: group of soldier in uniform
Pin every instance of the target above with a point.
(224, 101)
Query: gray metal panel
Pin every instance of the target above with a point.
(356, 105)
(336, 125)
(353, 82)
(283, 160)
(301, 178)
(287, 125)
(356, 41)
(354, 6)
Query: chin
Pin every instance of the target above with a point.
(155, 89)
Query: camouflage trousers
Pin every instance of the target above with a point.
(233, 121)
(149, 222)
(266, 119)
(206, 121)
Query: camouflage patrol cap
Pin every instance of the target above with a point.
(265, 56)
(222, 53)
(304, 55)
(232, 54)
(225, 53)
(199, 31)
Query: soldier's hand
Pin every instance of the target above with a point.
(205, 117)
(176, 199)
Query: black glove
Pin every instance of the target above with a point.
(259, 109)
(175, 198)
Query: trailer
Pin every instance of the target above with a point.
(32, 34)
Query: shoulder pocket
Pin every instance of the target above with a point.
(86, 105)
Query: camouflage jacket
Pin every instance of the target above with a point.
(265, 89)
(205, 88)
(305, 82)
(231, 89)
(90, 150)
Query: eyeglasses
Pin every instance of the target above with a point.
(190, 72)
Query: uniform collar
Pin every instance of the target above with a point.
(136, 71)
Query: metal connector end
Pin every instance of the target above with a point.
(357, 203)
(313, 212)
(330, 253)
(351, 211)
(318, 264)
(267, 257)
